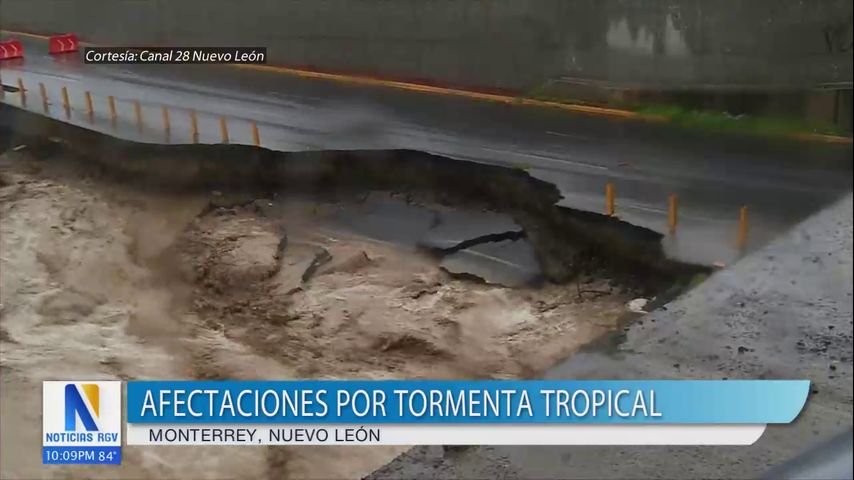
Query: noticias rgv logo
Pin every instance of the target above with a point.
(82, 422)
(77, 413)
(76, 408)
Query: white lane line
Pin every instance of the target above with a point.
(569, 135)
(556, 160)
(490, 257)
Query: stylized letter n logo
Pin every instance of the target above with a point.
(75, 406)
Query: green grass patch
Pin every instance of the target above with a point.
(710, 120)
(524, 166)
(757, 125)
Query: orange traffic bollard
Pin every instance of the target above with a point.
(43, 92)
(223, 129)
(166, 125)
(90, 110)
(256, 136)
(65, 103)
(137, 110)
(111, 101)
(609, 199)
(742, 227)
(194, 126)
(23, 92)
(673, 212)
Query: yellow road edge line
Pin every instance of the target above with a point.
(419, 87)
(25, 34)
(823, 138)
(491, 97)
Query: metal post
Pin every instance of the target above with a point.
(137, 110)
(65, 103)
(43, 92)
(194, 126)
(166, 125)
(256, 136)
(609, 199)
(223, 129)
(673, 213)
(111, 101)
(742, 227)
(90, 110)
(23, 92)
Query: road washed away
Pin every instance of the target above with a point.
(107, 279)
(102, 281)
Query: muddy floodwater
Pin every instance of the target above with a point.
(103, 280)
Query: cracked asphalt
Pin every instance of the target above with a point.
(784, 312)
(783, 182)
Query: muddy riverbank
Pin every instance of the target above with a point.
(113, 272)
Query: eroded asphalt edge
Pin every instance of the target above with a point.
(784, 312)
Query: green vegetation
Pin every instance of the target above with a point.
(758, 125)
(524, 166)
(709, 120)
(696, 280)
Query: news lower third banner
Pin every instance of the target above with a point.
(82, 421)
(407, 412)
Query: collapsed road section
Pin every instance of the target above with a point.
(138, 261)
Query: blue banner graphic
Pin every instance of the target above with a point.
(82, 455)
(462, 402)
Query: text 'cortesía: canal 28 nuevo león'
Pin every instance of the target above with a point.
(175, 55)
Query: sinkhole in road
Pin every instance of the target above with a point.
(233, 262)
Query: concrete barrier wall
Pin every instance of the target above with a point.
(509, 44)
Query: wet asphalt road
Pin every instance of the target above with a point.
(782, 181)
